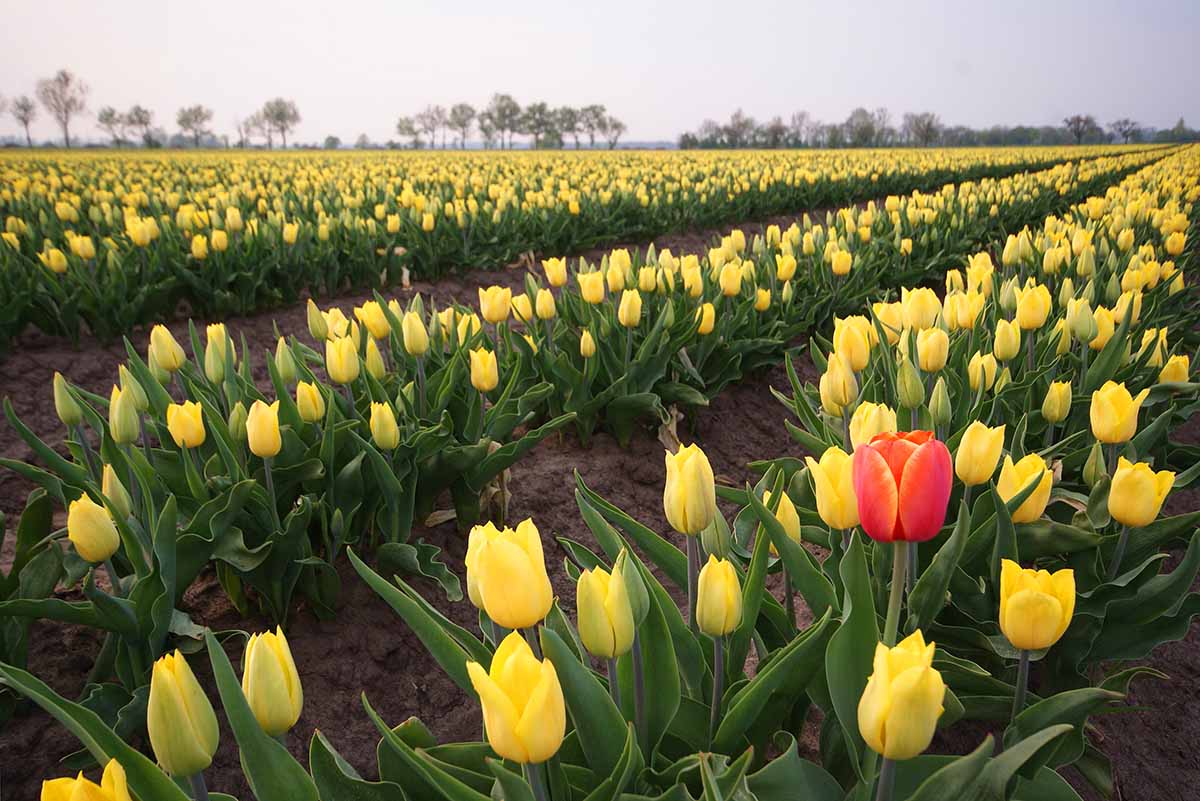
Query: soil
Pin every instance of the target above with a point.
(367, 648)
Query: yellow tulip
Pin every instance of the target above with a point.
(427, 222)
(762, 299)
(690, 495)
(262, 429)
(647, 279)
(495, 302)
(1007, 343)
(1016, 477)
(869, 420)
(1035, 606)
(718, 598)
(730, 280)
(1057, 404)
(1128, 302)
(833, 481)
(556, 271)
(981, 371)
(114, 491)
(605, 617)
(373, 318)
(544, 305)
(852, 341)
(785, 267)
(978, 453)
(693, 278)
(1105, 327)
(706, 316)
(591, 286)
(506, 574)
(842, 262)
(91, 530)
(920, 308)
(167, 352)
(891, 317)
(180, 719)
(65, 405)
(1137, 493)
(271, 682)
(1033, 307)
(291, 231)
(901, 704)
(615, 277)
(199, 247)
(933, 348)
(1154, 340)
(123, 422)
(587, 345)
(113, 787)
(838, 386)
(318, 326)
(1175, 243)
(524, 714)
(787, 516)
(416, 338)
(186, 423)
(485, 374)
(1176, 370)
(629, 313)
(310, 402)
(341, 360)
(1114, 412)
(384, 430)
(522, 307)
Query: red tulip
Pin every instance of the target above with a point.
(902, 481)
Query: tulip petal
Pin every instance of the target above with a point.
(500, 717)
(925, 491)
(876, 493)
(544, 720)
(916, 704)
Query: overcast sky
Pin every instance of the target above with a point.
(355, 66)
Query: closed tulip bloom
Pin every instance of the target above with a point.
(902, 486)
(762, 299)
(495, 303)
(1016, 477)
(91, 530)
(416, 338)
(1137, 493)
(629, 313)
(981, 371)
(384, 430)
(954, 282)
(706, 316)
(291, 231)
(113, 787)
(310, 402)
(427, 222)
(1175, 243)
(285, 362)
(1033, 307)
(1154, 341)
(341, 360)
(1176, 370)
(1128, 302)
(869, 420)
(545, 306)
(587, 345)
(373, 318)
(556, 271)
(615, 277)
(524, 714)
(522, 307)
(1114, 412)
(373, 361)
(114, 491)
(1035, 606)
(787, 516)
(891, 317)
(262, 429)
(271, 682)
(693, 279)
(718, 598)
(690, 495)
(123, 423)
(852, 341)
(921, 308)
(730, 280)
(508, 571)
(1105, 327)
(604, 613)
(833, 480)
(591, 286)
(842, 262)
(318, 326)
(185, 421)
(1057, 403)
(647, 279)
(167, 352)
(933, 348)
(785, 267)
(68, 409)
(837, 386)
(485, 374)
(55, 259)
(900, 706)
(199, 247)
(978, 453)
(1008, 340)
(180, 719)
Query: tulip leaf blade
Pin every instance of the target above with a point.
(790, 776)
(336, 779)
(513, 786)
(929, 595)
(818, 591)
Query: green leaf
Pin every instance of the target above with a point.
(336, 779)
(929, 595)
(596, 718)
(788, 777)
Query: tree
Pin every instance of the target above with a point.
(141, 119)
(428, 121)
(332, 143)
(591, 118)
(194, 120)
(921, 129)
(63, 96)
(282, 116)
(362, 142)
(1124, 128)
(739, 131)
(256, 125)
(859, 128)
(407, 126)
(1081, 125)
(24, 111)
(613, 129)
(568, 123)
(114, 124)
(487, 129)
(799, 127)
(773, 134)
(505, 115)
(884, 132)
(462, 117)
(538, 121)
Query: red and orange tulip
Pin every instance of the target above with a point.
(902, 482)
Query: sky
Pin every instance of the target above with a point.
(661, 67)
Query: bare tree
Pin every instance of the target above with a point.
(462, 117)
(538, 121)
(1124, 128)
(282, 116)
(591, 119)
(428, 121)
(860, 130)
(487, 129)
(407, 126)
(1080, 125)
(63, 96)
(799, 127)
(568, 123)
(613, 130)
(140, 119)
(362, 142)
(739, 131)
(884, 132)
(194, 120)
(505, 115)
(921, 129)
(24, 111)
(114, 124)
(256, 125)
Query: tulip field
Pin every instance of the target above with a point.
(440, 496)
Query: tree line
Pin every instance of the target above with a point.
(863, 128)
(503, 118)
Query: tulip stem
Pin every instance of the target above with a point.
(718, 687)
(847, 446)
(788, 603)
(199, 789)
(88, 462)
(145, 437)
(899, 563)
(350, 400)
(1119, 553)
(420, 386)
(1083, 371)
(628, 348)
(1022, 684)
(693, 579)
(1029, 351)
(531, 637)
(272, 501)
(533, 775)
(112, 578)
(639, 695)
(614, 685)
(887, 780)
(914, 565)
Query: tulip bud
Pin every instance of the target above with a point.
(416, 338)
(1057, 403)
(901, 704)
(718, 598)
(91, 530)
(1007, 343)
(545, 306)
(114, 491)
(341, 360)
(1008, 295)
(485, 374)
(1035, 606)
(185, 421)
(978, 453)
(310, 402)
(933, 348)
(940, 407)
(65, 404)
(689, 496)
(1137, 493)
(237, 422)
(909, 386)
(1095, 469)
(833, 482)
(707, 317)
(838, 386)
(271, 682)
(606, 623)
(123, 424)
(180, 719)
(167, 352)
(262, 429)
(1015, 477)
(130, 385)
(587, 345)
(629, 313)
(318, 326)
(524, 715)
(384, 431)
(1066, 291)
(285, 362)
